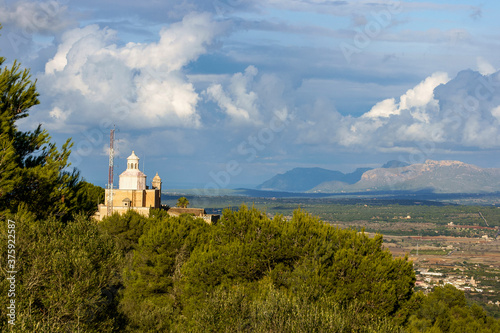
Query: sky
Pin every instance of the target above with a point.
(228, 93)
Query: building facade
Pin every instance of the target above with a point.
(132, 192)
(196, 212)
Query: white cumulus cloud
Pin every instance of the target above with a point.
(135, 85)
(419, 96)
(484, 67)
(463, 112)
(384, 109)
(495, 112)
(238, 101)
(179, 44)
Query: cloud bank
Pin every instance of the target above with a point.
(136, 85)
(92, 77)
(454, 114)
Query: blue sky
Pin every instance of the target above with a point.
(228, 93)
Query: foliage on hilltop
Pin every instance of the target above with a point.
(445, 309)
(183, 269)
(250, 273)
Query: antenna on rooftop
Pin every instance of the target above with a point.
(110, 174)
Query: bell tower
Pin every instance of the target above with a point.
(132, 178)
(156, 182)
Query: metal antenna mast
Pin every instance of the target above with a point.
(111, 167)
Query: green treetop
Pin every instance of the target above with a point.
(182, 202)
(33, 172)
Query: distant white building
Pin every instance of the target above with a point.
(431, 273)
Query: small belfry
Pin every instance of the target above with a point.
(132, 193)
(156, 182)
(132, 178)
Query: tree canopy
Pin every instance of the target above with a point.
(33, 172)
(182, 265)
(182, 202)
(67, 276)
(251, 273)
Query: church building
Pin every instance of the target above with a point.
(132, 193)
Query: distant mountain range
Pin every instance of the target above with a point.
(431, 176)
(305, 179)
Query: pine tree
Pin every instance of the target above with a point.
(33, 172)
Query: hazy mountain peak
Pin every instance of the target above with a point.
(304, 179)
(395, 164)
(446, 176)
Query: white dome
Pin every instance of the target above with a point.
(132, 178)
